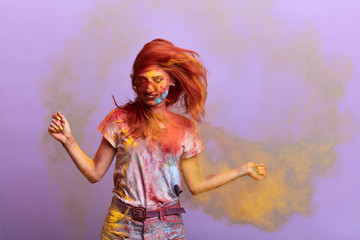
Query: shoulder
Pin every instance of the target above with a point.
(117, 114)
(183, 121)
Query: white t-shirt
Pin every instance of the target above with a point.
(147, 170)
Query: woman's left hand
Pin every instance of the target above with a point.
(257, 172)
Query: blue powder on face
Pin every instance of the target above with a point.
(164, 95)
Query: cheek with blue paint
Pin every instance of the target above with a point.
(163, 96)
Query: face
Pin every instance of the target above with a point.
(152, 85)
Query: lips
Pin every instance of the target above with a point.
(150, 97)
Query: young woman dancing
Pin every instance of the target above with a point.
(152, 146)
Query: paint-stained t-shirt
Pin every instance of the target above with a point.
(146, 170)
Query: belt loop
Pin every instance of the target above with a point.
(161, 217)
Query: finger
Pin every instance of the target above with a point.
(263, 166)
(51, 129)
(55, 116)
(262, 171)
(62, 117)
(53, 125)
(58, 123)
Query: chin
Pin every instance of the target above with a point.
(152, 103)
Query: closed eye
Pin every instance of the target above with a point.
(158, 79)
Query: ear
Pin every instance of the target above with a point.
(171, 81)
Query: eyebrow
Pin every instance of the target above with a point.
(154, 77)
(159, 76)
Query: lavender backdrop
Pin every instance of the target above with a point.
(283, 86)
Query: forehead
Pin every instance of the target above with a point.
(153, 71)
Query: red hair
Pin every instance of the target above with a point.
(190, 89)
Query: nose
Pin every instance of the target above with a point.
(150, 88)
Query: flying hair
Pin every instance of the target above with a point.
(190, 89)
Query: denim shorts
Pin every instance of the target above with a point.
(120, 225)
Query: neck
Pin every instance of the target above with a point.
(160, 109)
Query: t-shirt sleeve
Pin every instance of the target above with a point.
(193, 144)
(109, 128)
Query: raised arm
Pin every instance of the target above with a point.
(197, 183)
(92, 169)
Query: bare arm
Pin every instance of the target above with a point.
(92, 169)
(197, 183)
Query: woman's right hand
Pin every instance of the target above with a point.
(59, 128)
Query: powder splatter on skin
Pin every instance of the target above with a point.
(163, 96)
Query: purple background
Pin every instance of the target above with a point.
(34, 35)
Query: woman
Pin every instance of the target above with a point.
(151, 144)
